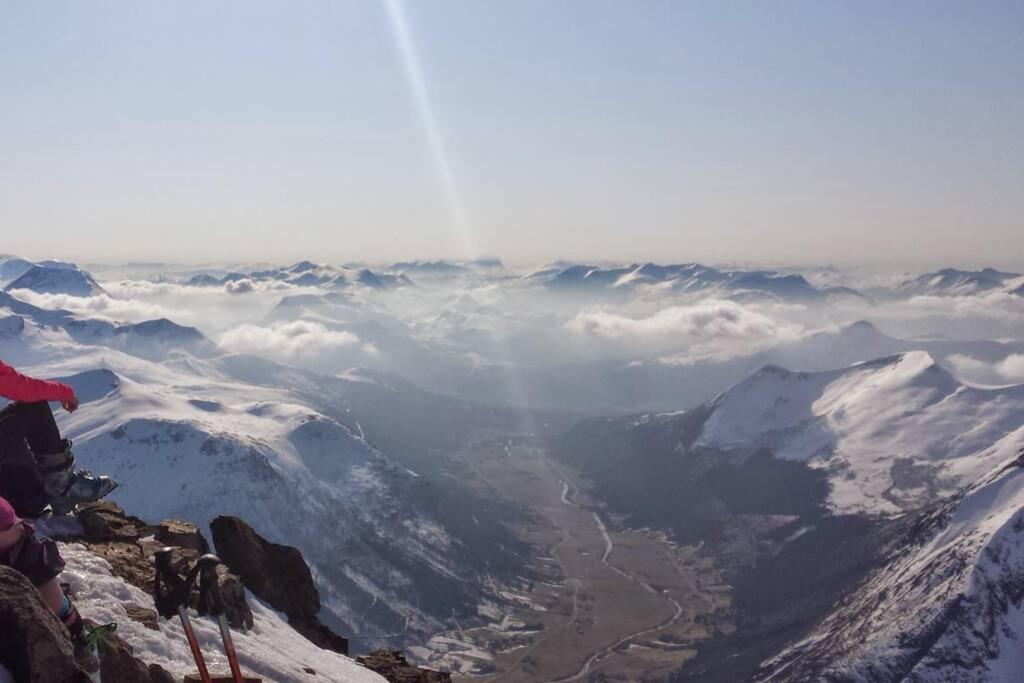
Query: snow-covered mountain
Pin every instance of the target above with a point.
(194, 447)
(13, 267)
(687, 278)
(948, 606)
(890, 435)
(304, 274)
(893, 434)
(190, 438)
(955, 282)
(56, 279)
(152, 339)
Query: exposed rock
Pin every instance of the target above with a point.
(104, 521)
(278, 574)
(393, 665)
(145, 616)
(128, 544)
(157, 674)
(119, 665)
(35, 646)
(182, 535)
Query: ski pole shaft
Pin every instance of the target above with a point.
(229, 648)
(193, 643)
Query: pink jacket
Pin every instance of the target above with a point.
(17, 387)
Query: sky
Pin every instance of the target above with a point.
(795, 132)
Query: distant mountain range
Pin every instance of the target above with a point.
(686, 278)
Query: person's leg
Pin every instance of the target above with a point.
(54, 596)
(66, 611)
(32, 423)
(64, 487)
(20, 479)
(27, 423)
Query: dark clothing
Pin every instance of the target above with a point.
(26, 430)
(37, 557)
(28, 423)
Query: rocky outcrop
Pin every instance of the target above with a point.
(393, 665)
(277, 574)
(128, 544)
(118, 664)
(34, 645)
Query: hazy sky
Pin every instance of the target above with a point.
(763, 131)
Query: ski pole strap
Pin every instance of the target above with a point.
(99, 633)
(170, 591)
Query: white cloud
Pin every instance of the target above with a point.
(101, 306)
(709, 319)
(240, 286)
(1010, 370)
(301, 340)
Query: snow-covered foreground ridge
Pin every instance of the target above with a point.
(950, 607)
(300, 477)
(271, 650)
(187, 439)
(893, 434)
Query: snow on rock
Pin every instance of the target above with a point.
(271, 650)
(949, 607)
(57, 279)
(894, 433)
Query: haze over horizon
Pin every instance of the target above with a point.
(386, 131)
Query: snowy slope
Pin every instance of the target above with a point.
(890, 435)
(271, 650)
(949, 608)
(54, 279)
(687, 278)
(296, 476)
(187, 441)
(955, 282)
(304, 274)
(893, 434)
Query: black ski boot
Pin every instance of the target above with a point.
(68, 487)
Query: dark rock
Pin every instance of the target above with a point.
(105, 521)
(128, 544)
(393, 665)
(118, 663)
(180, 534)
(146, 617)
(157, 674)
(277, 574)
(35, 646)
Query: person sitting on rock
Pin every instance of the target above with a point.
(36, 464)
(39, 559)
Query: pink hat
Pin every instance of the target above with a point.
(8, 518)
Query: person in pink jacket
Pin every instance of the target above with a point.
(31, 442)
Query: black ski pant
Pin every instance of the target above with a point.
(27, 430)
(31, 424)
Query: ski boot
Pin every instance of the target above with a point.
(85, 640)
(67, 487)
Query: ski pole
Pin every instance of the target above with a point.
(207, 585)
(171, 595)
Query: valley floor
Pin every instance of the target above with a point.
(619, 605)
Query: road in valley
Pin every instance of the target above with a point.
(618, 603)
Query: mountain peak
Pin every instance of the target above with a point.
(63, 279)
